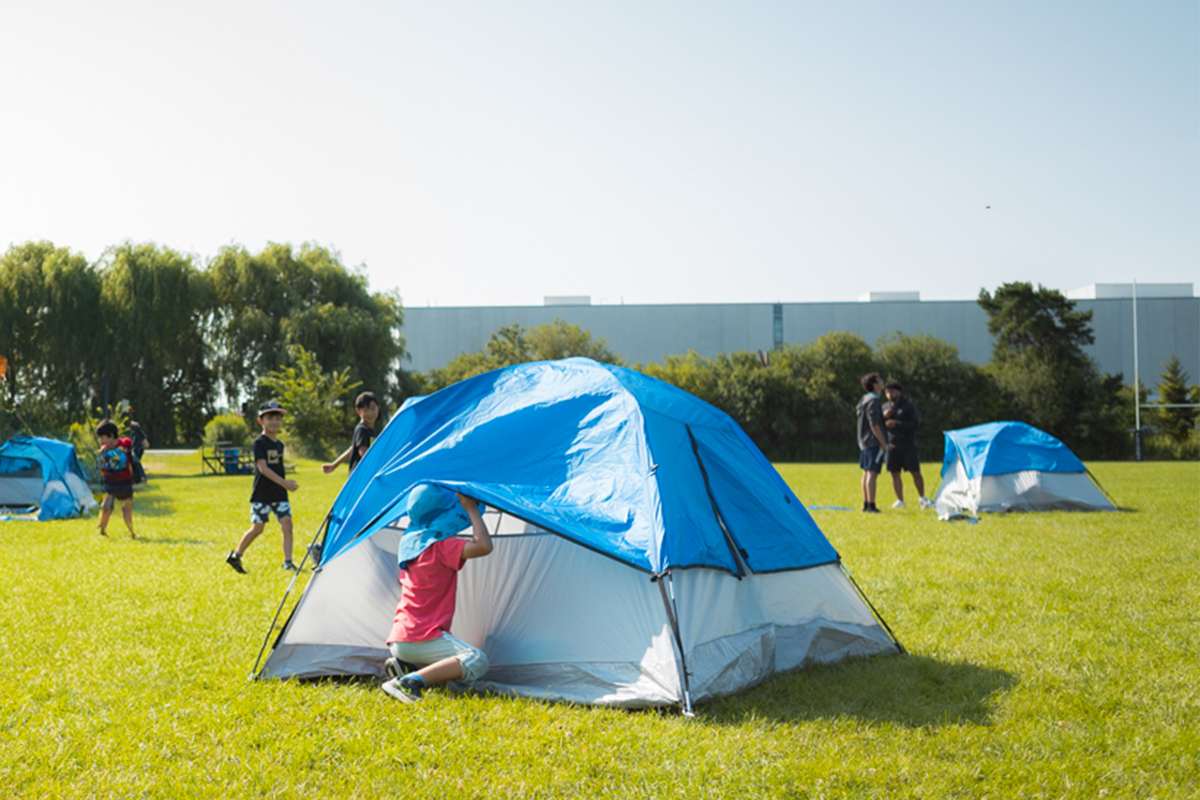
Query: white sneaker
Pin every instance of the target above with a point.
(926, 502)
(898, 504)
(395, 689)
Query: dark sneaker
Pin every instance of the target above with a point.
(871, 510)
(290, 567)
(235, 561)
(397, 689)
(395, 668)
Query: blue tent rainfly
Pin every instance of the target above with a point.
(623, 464)
(999, 448)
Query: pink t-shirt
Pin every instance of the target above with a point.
(427, 593)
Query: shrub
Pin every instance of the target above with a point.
(229, 427)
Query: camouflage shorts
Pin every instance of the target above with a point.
(261, 512)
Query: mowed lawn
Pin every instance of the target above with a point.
(1050, 655)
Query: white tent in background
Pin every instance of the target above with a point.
(1012, 466)
(646, 552)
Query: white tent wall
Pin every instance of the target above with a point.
(1029, 490)
(738, 633)
(78, 489)
(604, 639)
(561, 622)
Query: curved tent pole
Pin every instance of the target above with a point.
(871, 606)
(286, 592)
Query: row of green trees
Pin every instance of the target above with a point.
(798, 402)
(181, 340)
(177, 337)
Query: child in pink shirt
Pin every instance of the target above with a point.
(428, 584)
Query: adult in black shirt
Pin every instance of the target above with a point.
(900, 422)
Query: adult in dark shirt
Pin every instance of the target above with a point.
(901, 420)
(871, 443)
(367, 408)
(271, 486)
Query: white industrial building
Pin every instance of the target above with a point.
(1168, 324)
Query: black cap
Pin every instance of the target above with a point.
(271, 407)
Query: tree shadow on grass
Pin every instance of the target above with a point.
(915, 691)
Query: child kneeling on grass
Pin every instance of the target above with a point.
(116, 469)
(430, 558)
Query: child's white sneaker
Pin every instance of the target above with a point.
(403, 693)
(898, 504)
(926, 502)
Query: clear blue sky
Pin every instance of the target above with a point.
(492, 153)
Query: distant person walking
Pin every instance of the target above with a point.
(872, 446)
(900, 421)
(141, 443)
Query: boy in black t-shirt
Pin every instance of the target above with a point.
(367, 408)
(271, 487)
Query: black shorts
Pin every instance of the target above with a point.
(869, 460)
(903, 457)
(121, 491)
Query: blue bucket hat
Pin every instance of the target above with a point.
(434, 514)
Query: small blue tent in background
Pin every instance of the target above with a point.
(646, 551)
(43, 475)
(1012, 466)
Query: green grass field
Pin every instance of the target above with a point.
(1050, 655)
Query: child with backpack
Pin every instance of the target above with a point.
(116, 470)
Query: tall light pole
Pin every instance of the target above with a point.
(1137, 389)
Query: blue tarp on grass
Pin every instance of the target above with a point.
(618, 462)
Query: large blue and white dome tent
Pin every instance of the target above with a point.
(42, 475)
(646, 552)
(1013, 466)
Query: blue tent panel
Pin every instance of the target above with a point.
(999, 448)
(618, 462)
